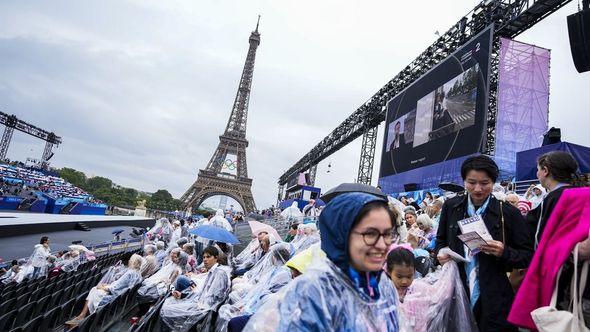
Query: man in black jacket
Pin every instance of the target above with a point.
(511, 247)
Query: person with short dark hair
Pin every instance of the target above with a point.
(292, 232)
(39, 257)
(484, 275)
(181, 313)
(11, 274)
(401, 270)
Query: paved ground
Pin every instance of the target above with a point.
(243, 234)
(22, 246)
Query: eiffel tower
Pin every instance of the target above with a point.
(227, 171)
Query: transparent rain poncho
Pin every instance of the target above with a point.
(220, 221)
(26, 271)
(246, 252)
(157, 285)
(9, 276)
(255, 297)
(71, 262)
(324, 299)
(37, 259)
(155, 230)
(292, 213)
(122, 280)
(298, 236)
(276, 257)
(309, 237)
(127, 280)
(180, 315)
(39, 256)
(113, 273)
(249, 256)
(437, 302)
(165, 232)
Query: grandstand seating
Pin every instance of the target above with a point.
(45, 304)
(51, 185)
(32, 190)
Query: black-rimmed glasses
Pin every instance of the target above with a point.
(371, 236)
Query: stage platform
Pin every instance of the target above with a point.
(19, 232)
(15, 224)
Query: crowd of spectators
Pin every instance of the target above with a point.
(19, 180)
(369, 262)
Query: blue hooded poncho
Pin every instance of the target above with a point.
(325, 297)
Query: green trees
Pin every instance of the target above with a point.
(113, 194)
(163, 200)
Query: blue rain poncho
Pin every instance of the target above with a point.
(180, 315)
(325, 298)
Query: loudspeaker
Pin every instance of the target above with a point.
(578, 26)
(410, 186)
(552, 136)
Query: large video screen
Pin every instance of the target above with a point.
(442, 115)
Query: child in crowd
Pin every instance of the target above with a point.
(401, 270)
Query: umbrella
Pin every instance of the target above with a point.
(117, 231)
(452, 187)
(319, 202)
(257, 227)
(351, 187)
(215, 233)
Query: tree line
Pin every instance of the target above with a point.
(112, 194)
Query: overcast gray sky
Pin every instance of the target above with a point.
(141, 90)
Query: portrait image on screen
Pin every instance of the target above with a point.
(441, 115)
(401, 132)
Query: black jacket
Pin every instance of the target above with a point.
(496, 292)
(542, 213)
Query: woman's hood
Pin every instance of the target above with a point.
(219, 213)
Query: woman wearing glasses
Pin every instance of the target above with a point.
(346, 290)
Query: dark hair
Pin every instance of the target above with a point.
(375, 205)
(222, 246)
(480, 163)
(294, 226)
(400, 256)
(211, 251)
(43, 239)
(429, 194)
(561, 166)
(14, 262)
(126, 257)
